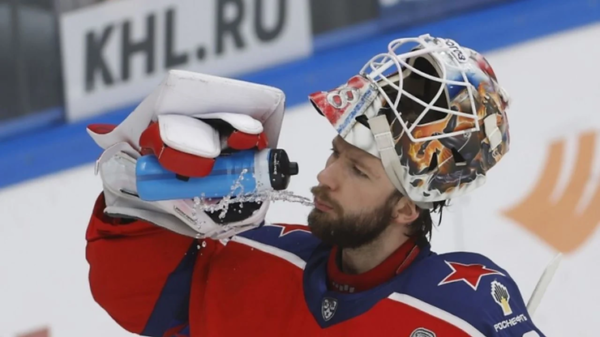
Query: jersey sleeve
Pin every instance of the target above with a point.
(471, 289)
(140, 274)
(500, 310)
(504, 310)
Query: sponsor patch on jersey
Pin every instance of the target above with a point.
(501, 297)
(422, 332)
(328, 308)
(509, 323)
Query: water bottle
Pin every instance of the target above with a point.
(265, 169)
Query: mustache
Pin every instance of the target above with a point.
(321, 193)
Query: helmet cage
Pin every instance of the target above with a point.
(377, 70)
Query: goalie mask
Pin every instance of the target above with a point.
(434, 114)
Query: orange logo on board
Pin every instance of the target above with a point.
(560, 223)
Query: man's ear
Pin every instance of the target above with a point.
(405, 211)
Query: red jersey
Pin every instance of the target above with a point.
(276, 280)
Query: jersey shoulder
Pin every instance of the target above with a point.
(473, 289)
(293, 242)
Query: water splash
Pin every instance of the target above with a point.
(238, 196)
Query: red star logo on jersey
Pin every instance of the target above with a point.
(287, 229)
(471, 274)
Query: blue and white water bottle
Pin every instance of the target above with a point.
(265, 169)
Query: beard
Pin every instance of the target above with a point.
(346, 229)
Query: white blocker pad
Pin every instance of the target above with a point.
(195, 94)
(189, 135)
(243, 123)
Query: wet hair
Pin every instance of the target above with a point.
(422, 227)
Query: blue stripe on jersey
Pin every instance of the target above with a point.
(174, 297)
(295, 239)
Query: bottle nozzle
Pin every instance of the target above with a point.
(281, 169)
(293, 169)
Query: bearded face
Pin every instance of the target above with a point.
(347, 228)
(355, 201)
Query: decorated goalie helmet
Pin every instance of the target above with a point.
(431, 110)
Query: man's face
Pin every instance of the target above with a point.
(354, 200)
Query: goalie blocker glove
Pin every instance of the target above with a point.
(186, 124)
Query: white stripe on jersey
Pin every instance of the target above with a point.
(436, 312)
(292, 258)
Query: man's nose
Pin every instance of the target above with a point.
(330, 176)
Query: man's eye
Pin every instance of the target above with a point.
(334, 152)
(359, 172)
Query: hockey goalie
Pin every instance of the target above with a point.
(416, 127)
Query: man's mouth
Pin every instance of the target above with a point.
(321, 206)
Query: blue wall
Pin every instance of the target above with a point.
(43, 152)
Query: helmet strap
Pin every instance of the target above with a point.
(389, 157)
